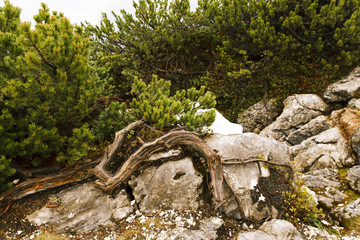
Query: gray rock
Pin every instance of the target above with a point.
(355, 144)
(281, 229)
(326, 184)
(258, 116)
(83, 208)
(256, 235)
(298, 111)
(207, 230)
(349, 215)
(343, 90)
(273, 230)
(244, 178)
(353, 178)
(173, 185)
(354, 103)
(248, 146)
(312, 128)
(329, 149)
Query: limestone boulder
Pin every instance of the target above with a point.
(298, 111)
(83, 208)
(345, 89)
(273, 230)
(349, 215)
(173, 185)
(258, 116)
(353, 178)
(312, 128)
(247, 179)
(281, 229)
(328, 149)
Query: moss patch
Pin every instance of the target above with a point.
(351, 195)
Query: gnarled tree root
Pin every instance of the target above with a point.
(183, 139)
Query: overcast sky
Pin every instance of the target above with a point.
(77, 10)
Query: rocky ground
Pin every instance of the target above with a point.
(204, 223)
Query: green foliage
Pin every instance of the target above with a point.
(5, 172)
(114, 118)
(47, 89)
(162, 38)
(267, 45)
(240, 50)
(300, 207)
(154, 105)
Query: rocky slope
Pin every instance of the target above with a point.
(317, 136)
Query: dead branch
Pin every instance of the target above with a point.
(183, 139)
(48, 182)
(111, 151)
(232, 161)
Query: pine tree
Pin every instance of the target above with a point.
(48, 86)
(155, 105)
(9, 50)
(276, 46)
(163, 38)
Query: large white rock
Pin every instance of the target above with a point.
(244, 178)
(353, 177)
(255, 235)
(349, 215)
(83, 208)
(273, 230)
(298, 111)
(173, 185)
(281, 230)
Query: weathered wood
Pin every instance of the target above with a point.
(111, 151)
(51, 181)
(183, 139)
(171, 140)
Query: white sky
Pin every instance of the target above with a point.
(77, 10)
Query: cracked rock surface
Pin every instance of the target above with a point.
(345, 89)
(329, 149)
(173, 185)
(83, 208)
(244, 178)
(258, 116)
(298, 111)
(353, 177)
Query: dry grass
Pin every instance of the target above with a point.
(349, 122)
(49, 236)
